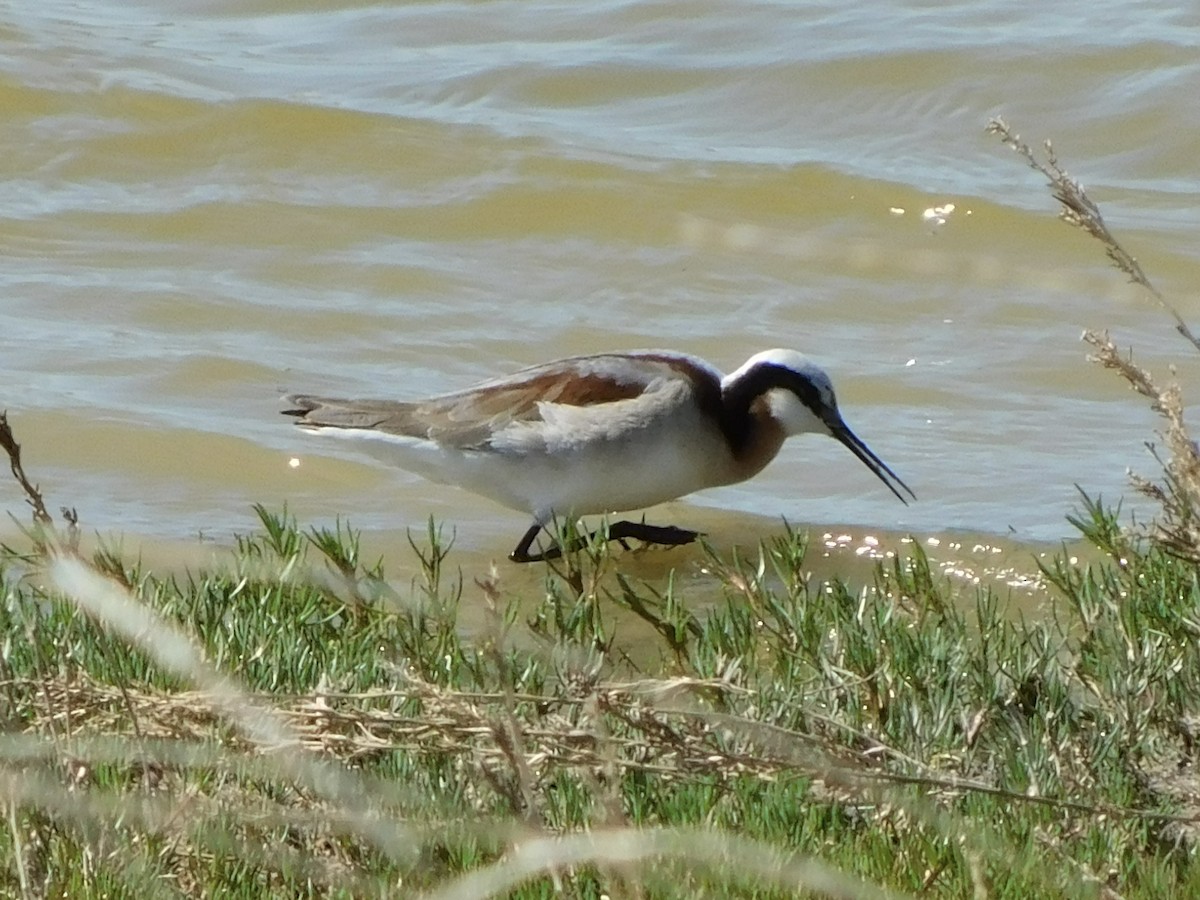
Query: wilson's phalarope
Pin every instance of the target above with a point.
(599, 434)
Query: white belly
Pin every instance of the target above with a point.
(569, 476)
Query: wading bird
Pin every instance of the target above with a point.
(599, 434)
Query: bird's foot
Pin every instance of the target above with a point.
(663, 535)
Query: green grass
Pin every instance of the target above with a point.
(325, 732)
(294, 723)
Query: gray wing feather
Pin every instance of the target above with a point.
(334, 412)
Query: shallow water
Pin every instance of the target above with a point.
(205, 205)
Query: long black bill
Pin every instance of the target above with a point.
(842, 432)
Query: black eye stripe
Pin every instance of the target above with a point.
(762, 378)
(770, 376)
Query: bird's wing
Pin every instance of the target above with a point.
(315, 413)
(469, 419)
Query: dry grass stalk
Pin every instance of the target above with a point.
(117, 608)
(257, 719)
(1079, 210)
(1177, 529)
(667, 742)
(1178, 496)
(33, 496)
(697, 847)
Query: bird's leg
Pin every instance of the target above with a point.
(522, 555)
(665, 535)
(521, 552)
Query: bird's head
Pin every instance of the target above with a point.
(800, 398)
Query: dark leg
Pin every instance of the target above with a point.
(665, 535)
(521, 553)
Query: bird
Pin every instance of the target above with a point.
(599, 434)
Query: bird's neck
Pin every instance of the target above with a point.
(753, 434)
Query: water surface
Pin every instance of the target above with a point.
(206, 204)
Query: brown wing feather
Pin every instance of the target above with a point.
(468, 418)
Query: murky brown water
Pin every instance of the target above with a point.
(203, 206)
